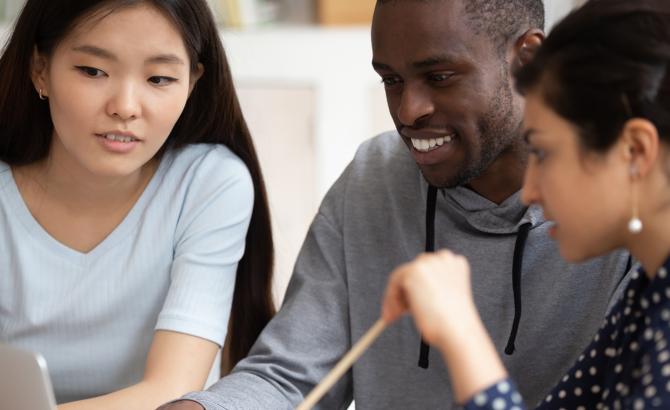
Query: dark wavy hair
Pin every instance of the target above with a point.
(212, 115)
(603, 64)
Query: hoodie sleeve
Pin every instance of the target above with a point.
(307, 337)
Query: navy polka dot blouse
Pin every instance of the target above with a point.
(626, 366)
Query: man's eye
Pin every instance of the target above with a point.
(390, 81)
(440, 77)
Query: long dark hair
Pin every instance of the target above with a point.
(604, 64)
(212, 115)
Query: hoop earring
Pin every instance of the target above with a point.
(635, 224)
(42, 97)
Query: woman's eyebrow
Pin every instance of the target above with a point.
(108, 55)
(165, 59)
(95, 51)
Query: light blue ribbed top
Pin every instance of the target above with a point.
(169, 265)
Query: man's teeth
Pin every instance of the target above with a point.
(120, 138)
(425, 145)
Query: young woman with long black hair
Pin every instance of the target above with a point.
(133, 216)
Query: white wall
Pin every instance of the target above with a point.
(556, 9)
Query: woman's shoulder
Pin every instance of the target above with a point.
(206, 182)
(212, 162)
(209, 172)
(205, 152)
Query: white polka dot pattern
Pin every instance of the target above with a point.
(626, 366)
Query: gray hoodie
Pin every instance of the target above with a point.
(373, 219)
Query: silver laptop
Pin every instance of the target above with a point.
(24, 380)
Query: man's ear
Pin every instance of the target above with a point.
(39, 69)
(526, 46)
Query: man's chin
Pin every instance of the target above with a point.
(448, 175)
(440, 180)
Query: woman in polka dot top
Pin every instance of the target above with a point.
(597, 123)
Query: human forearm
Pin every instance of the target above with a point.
(141, 396)
(177, 364)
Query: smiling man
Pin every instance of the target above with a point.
(446, 70)
(448, 177)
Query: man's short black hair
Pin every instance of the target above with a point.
(500, 20)
(503, 20)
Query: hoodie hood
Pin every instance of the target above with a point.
(473, 212)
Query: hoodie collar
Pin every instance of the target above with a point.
(480, 214)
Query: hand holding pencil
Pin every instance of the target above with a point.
(434, 287)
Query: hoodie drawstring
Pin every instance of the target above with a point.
(430, 247)
(517, 264)
(519, 247)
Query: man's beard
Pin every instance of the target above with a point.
(498, 129)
